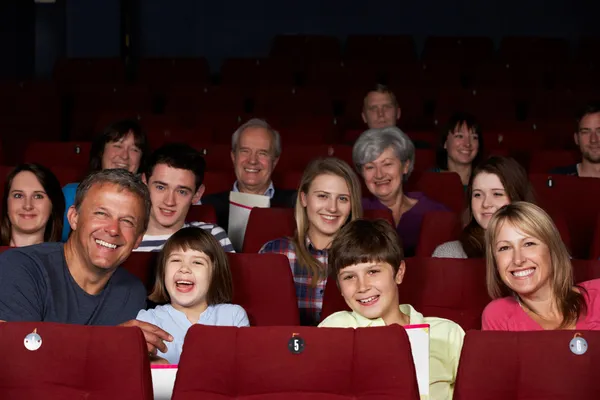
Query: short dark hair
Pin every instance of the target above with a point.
(179, 156)
(113, 133)
(362, 241)
(220, 288)
(52, 187)
(592, 107)
(380, 88)
(122, 178)
(457, 120)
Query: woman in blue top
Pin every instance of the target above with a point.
(461, 146)
(194, 280)
(121, 145)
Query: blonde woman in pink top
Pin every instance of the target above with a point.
(530, 276)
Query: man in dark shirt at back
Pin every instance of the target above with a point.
(587, 138)
(80, 282)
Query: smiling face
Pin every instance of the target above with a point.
(370, 289)
(523, 261)
(462, 145)
(328, 205)
(488, 195)
(107, 226)
(172, 192)
(187, 279)
(383, 176)
(254, 160)
(588, 137)
(122, 153)
(379, 110)
(29, 206)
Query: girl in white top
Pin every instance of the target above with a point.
(496, 182)
(194, 278)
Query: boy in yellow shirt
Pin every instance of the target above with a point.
(368, 263)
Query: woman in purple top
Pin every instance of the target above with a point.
(530, 276)
(385, 158)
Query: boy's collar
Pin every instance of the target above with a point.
(414, 316)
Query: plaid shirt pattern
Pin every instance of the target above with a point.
(310, 300)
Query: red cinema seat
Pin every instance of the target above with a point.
(297, 157)
(527, 365)
(586, 270)
(575, 198)
(447, 288)
(266, 224)
(289, 180)
(595, 249)
(306, 47)
(142, 264)
(543, 161)
(263, 285)
(64, 154)
(256, 363)
(443, 187)
(201, 213)
(218, 157)
(381, 47)
(438, 227)
(70, 361)
(218, 181)
(458, 49)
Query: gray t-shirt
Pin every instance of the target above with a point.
(36, 285)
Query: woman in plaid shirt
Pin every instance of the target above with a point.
(328, 197)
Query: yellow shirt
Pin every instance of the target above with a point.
(445, 344)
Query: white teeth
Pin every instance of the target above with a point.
(184, 283)
(364, 301)
(329, 217)
(251, 170)
(106, 244)
(521, 274)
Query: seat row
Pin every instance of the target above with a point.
(244, 363)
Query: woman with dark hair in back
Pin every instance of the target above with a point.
(124, 145)
(496, 182)
(461, 146)
(32, 207)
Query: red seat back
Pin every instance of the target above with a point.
(71, 360)
(263, 285)
(585, 270)
(63, 154)
(445, 188)
(202, 213)
(252, 363)
(438, 227)
(142, 264)
(527, 365)
(266, 224)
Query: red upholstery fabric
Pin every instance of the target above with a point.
(143, 265)
(202, 213)
(445, 188)
(446, 288)
(255, 363)
(542, 161)
(438, 227)
(64, 154)
(218, 181)
(265, 224)
(74, 362)
(573, 197)
(595, 249)
(527, 365)
(263, 285)
(586, 270)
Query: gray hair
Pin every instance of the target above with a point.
(122, 178)
(258, 123)
(373, 142)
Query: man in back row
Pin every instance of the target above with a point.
(255, 151)
(80, 282)
(587, 138)
(174, 176)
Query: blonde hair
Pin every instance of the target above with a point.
(318, 167)
(532, 220)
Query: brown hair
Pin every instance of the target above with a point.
(220, 288)
(534, 221)
(517, 186)
(383, 89)
(322, 166)
(51, 185)
(362, 241)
